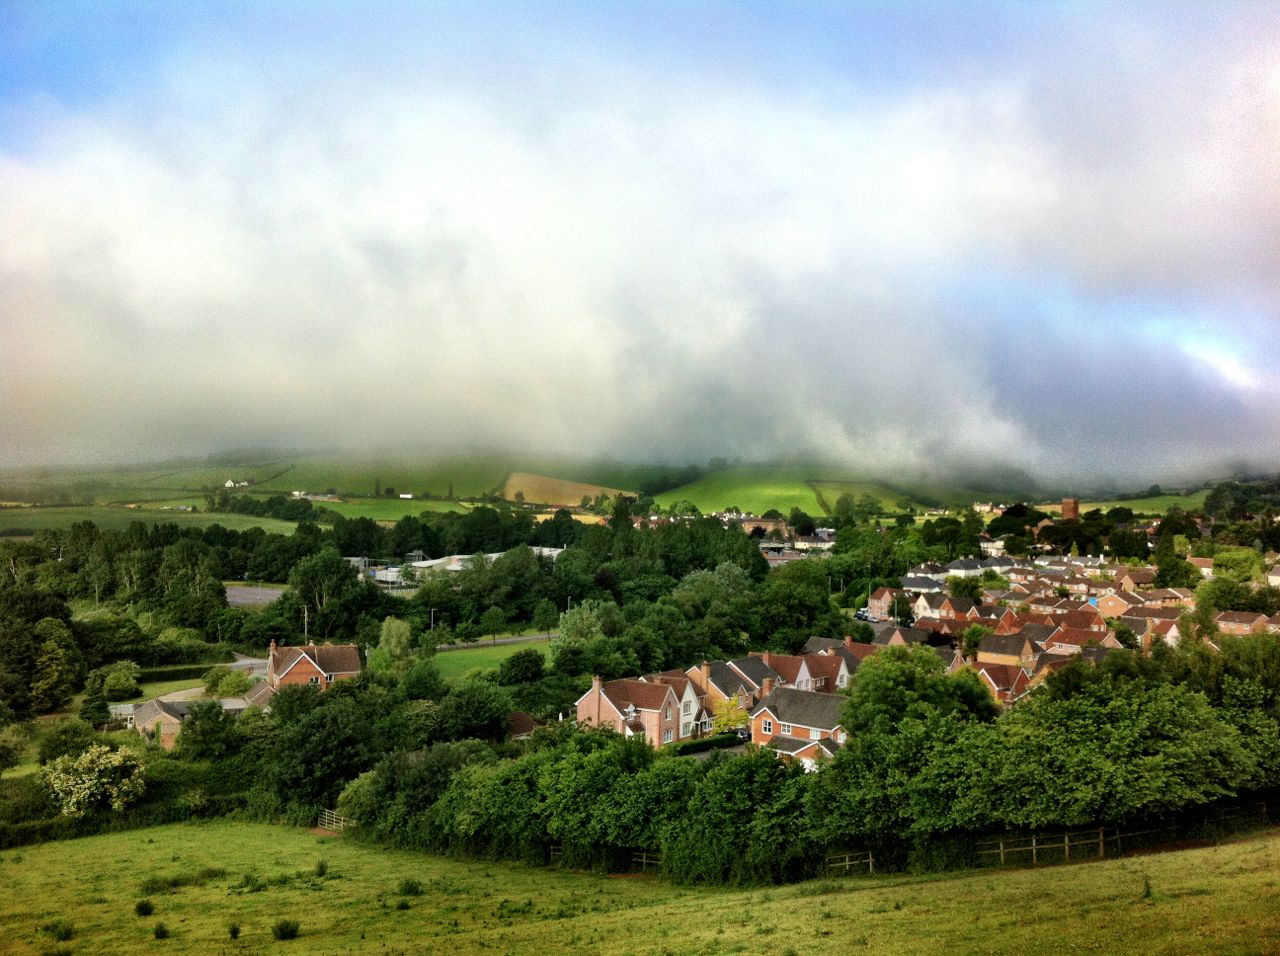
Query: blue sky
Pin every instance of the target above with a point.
(909, 236)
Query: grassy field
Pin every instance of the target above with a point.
(1156, 505)
(540, 489)
(470, 476)
(387, 509)
(455, 665)
(1217, 900)
(117, 519)
(759, 488)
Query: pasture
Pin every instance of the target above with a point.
(107, 518)
(206, 876)
(456, 664)
(1156, 505)
(387, 509)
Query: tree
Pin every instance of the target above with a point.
(523, 667)
(13, 745)
(475, 708)
(208, 733)
(545, 616)
(422, 681)
(68, 737)
(899, 683)
(972, 637)
(395, 647)
(493, 620)
(970, 588)
(327, 589)
(99, 778)
(95, 711)
(729, 714)
(120, 680)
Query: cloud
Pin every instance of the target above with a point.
(1068, 269)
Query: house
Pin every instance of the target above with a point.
(316, 664)
(520, 725)
(161, 720)
(1132, 579)
(717, 682)
(798, 724)
(1006, 682)
(1273, 576)
(1241, 622)
(1118, 603)
(917, 584)
(1010, 649)
(1072, 640)
(632, 707)
(965, 568)
(694, 719)
(1203, 565)
(880, 604)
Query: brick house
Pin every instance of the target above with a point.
(316, 664)
(798, 724)
(633, 708)
(1241, 622)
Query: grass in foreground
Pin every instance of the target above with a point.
(205, 877)
(456, 664)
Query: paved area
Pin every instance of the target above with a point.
(245, 595)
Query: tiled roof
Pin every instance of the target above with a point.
(330, 658)
(640, 694)
(803, 707)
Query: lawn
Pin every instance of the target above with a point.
(1221, 899)
(455, 665)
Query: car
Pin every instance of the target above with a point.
(744, 733)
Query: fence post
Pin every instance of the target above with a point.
(1066, 848)
(1102, 845)
(1033, 850)
(1002, 852)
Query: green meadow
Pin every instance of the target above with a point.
(759, 488)
(348, 897)
(117, 519)
(456, 664)
(1157, 504)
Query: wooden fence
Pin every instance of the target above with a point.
(330, 820)
(643, 860)
(844, 863)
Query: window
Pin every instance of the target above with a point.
(666, 714)
(785, 729)
(686, 730)
(842, 680)
(666, 736)
(686, 708)
(328, 678)
(313, 681)
(767, 726)
(815, 734)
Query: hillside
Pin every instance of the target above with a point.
(544, 490)
(758, 488)
(1221, 899)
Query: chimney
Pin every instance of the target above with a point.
(706, 676)
(767, 658)
(767, 687)
(596, 685)
(848, 642)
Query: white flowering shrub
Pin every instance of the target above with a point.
(99, 777)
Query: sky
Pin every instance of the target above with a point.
(907, 237)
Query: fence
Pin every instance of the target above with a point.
(1100, 842)
(643, 860)
(329, 820)
(843, 863)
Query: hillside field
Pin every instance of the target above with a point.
(758, 488)
(1221, 899)
(118, 519)
(544, 490)
(1156, 505)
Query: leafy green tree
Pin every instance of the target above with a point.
(475, 708)
(13, 745)
(395, 648)
(959, 587)
(99, 778)
(120, 680)
(899, 683)
(208, 733)
(523, 667)
(545, 616)
(422, 680)
(95, 711)
(68, 737)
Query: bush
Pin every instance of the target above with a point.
(143, 908)
(160, 931)
(286, 929)
(321, 868)
(60, 929)
(68, 737)
(410, 887)
(233, 930)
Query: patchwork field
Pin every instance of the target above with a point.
(117, 519)
(387, 509)
(469, 477)
(1217, 900)
(757, 489)
(543, 490)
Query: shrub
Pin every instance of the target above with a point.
(402, 904)
(233, 930)
(60, 929)
(410, 887)
(160, 931)
(286, 929)
(321, 868)
(143, 908)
